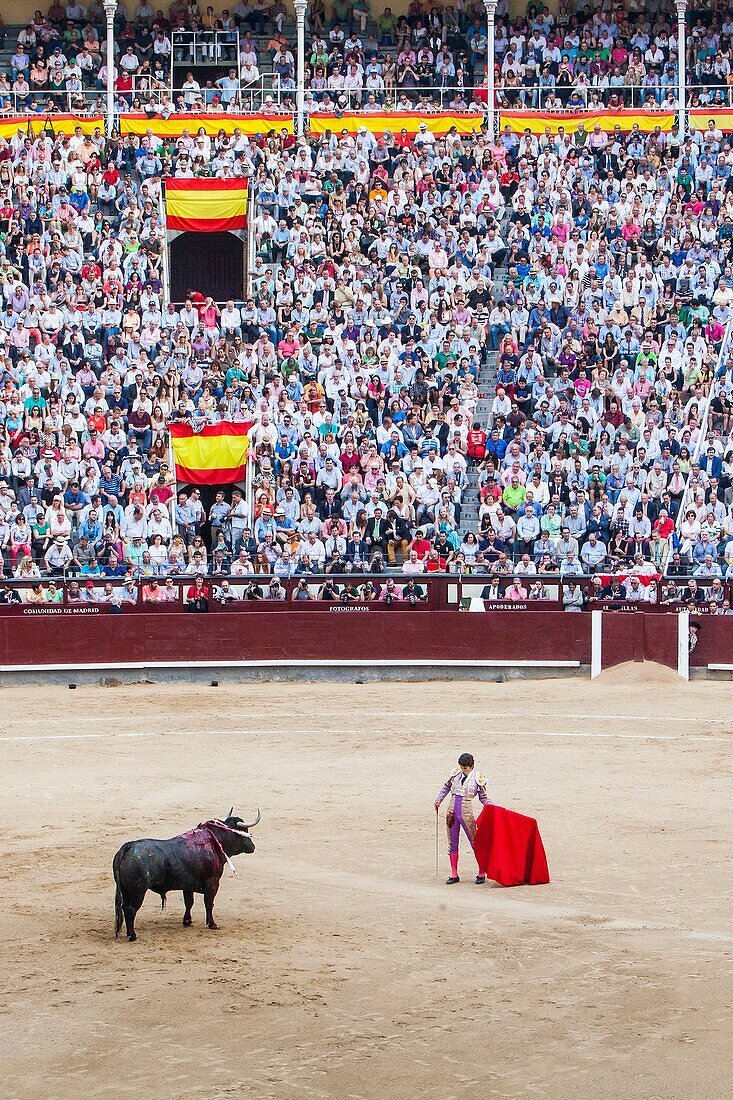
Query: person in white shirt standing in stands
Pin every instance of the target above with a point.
(231, 321)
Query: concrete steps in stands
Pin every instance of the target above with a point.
(487, 389)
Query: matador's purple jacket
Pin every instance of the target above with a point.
(462, 790)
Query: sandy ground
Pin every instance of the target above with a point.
(343, 967)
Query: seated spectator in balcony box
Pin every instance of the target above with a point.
(693, 593)
(301, 592)
(391, 592)
(89, 593)
(170, 591)
(224, 593)
(73, 593)
(538, 591)
(635, 590)
(572, 596)
(275, 590)
(36, 595)
(494, 590)
(672, 593)
(53, 594)
(152, 591)
(413, 593)
(329, 592)
(110, 595)
(197, 597)
(516, 591)
(128, 594)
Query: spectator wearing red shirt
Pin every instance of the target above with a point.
(663, 524)
(197, 597)
(476, 443)
(123, 84)
(160, 491)
(421, 545)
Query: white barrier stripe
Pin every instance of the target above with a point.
(142, 735)
(407, 662)
(584, 716)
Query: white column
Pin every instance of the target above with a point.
(110, 8)
(681, 67)
(596, 643)
(490, 8)
(166, 257)
(251, 246)
(683, 644)
(300, 6)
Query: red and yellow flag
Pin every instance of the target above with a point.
(539, 121)
(33, 125)
(216, 455)
(438, 123)
(180, 125)
(206, 205)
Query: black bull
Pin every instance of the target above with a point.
(192, 862)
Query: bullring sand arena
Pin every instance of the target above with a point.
(343, 966)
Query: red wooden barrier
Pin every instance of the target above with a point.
(660, 639)
(375, 634)
(714, 640)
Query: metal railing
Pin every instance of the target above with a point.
(205, 48)
(256, 94)
(267, 90)
(439, 97)
(85, 102)
(595, 97)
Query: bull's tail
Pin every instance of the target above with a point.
(119, 915)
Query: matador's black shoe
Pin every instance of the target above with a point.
(480, 880)
(452, 880)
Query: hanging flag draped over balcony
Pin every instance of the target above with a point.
(206, 205)
(539, 121)
(216, 455)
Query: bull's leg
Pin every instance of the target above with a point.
(188, 902)
(210, 891)
(130, 906)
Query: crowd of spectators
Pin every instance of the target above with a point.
(390, 269)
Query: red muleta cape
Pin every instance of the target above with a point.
(509, 848)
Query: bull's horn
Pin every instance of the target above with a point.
(230, 813)
(253, 823)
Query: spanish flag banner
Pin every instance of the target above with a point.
(377, 122)
(206, 205)
(189, 124)
(723, 119)
(538, 122)
(33, 125)
(216, 455)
